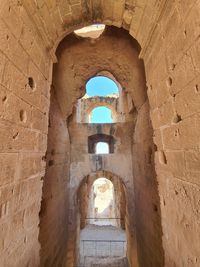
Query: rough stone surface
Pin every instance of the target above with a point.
(53, 229)
(168, 33)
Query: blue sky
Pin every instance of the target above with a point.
(101, 86)
(101, 115)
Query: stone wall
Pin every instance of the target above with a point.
(168, 32)
(24, 96)
(147, 202)
(172, 68)
(54, 207)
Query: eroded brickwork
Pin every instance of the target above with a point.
(175, 117)
(168, 32)
(23, 134)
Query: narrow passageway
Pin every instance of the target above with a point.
(102, 240)
(99, 133)
(100, 127)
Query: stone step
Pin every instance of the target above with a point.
(106, 262)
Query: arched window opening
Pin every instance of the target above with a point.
(100, 144)
(102, 148)
(101, 115)
(93, 31)
(101, 86)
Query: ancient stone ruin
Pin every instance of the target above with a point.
(102, 179)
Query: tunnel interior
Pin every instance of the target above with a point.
(53, 147)
(130, 109)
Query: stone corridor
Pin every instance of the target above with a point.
(49, 145)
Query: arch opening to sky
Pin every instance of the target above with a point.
(101, 86)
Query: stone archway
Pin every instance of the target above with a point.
(30, 34)
(66, 89)
(124, 193)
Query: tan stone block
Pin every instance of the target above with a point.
(152, 96)
(9, 13)
(26, 37)
(64, 9)
(170, 23)
(17, 223)
(41, 83)
(176, 163)
(36, 53)
(4, 35)
(51, 4)
(56, 17)
(26, 193)
(144, 29)
(192, 159)
(183, 73)
(8, 168)
(187, 101)
(6, 193)
(9, 74)
(31, 6)
(136, 18)
(173, 48)
(184, 135)
(2, 65)
(193, 177)
(195, 53)
(46, 66)
(45, 16)
(30, 164)
(17, 111)
(163, 92)
(5, 138)
(191, 30)
(163, 116)
(4, 233)
(31, 216)
(17, 139)
(17, 54)
(118, 9)
(39, 120)
(18, 83)
(12, 48)
(184, 6)
(3, 99)
(41, 142)
(107, 7)
(44, 105)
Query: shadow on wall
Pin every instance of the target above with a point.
(54, 205)
(147, 200)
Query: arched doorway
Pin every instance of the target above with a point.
(102, 209)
